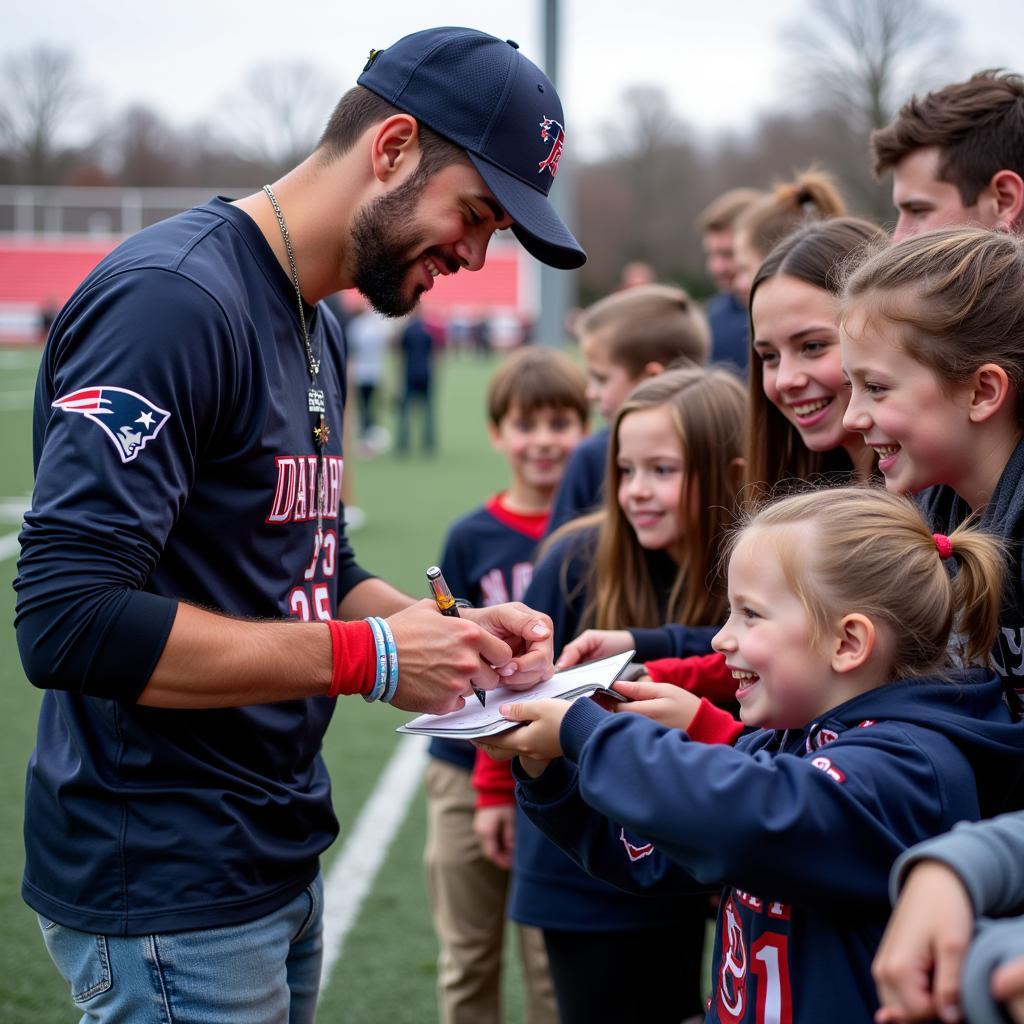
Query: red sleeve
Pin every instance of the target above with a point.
(713, 725)
(493, 781)
(704, 675)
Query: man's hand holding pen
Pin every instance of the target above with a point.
(449, 606)
(442, 659)
(528, 634)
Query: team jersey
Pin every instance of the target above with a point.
(488, 560)
(798, 828)
(174, 462)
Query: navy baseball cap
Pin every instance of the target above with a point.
(481, 93)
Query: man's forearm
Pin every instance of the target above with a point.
(372, 597)
(213, 661)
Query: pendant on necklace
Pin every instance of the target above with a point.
(316, 401)
(321, 433)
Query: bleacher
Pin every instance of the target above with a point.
(49, 241)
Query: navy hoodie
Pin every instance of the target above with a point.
(799, 828)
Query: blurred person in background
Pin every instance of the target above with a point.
(416, 345)
(369, 336)
(727, 315)
(635, 273)
(811, 196)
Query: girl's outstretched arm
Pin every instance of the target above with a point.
(801, 826)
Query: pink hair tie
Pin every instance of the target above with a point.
(943, 545)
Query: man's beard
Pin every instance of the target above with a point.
(384, 240)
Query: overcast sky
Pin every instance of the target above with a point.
(719, 60)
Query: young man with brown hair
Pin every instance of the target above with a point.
(957, 156)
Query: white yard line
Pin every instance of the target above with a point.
(9, 545)
(351, 876)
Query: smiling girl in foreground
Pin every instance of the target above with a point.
(840, 606)
(933, 344)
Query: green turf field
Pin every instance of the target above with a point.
(386, 971)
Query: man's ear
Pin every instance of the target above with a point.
(1007, 189)
(989, 389)
(395, 146)
(653, 368)
(854, 641)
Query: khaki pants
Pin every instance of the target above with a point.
(467, 897)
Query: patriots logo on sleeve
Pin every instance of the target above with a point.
(126, 417)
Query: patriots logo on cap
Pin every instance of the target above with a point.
(127, 418)
(551, 131)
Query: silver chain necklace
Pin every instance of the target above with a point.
(316, 402)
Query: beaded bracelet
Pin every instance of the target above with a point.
(381, 679)
(389, 641)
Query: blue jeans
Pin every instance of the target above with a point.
(262, 972)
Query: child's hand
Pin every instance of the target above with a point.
(495, 829)
(592, 644)
(1008, 988)
(662, 702)
(538, 739)
(921, 956)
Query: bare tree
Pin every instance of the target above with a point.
(865, 57)
(646, 125)
(277, 116)
(141, 148)
(645, 179)
(855, 62)
(40, 95)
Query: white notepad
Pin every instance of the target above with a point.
(474, 721)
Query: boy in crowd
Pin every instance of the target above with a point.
(726, 311)
(957, 156)
(537, 413)
(625, 337)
